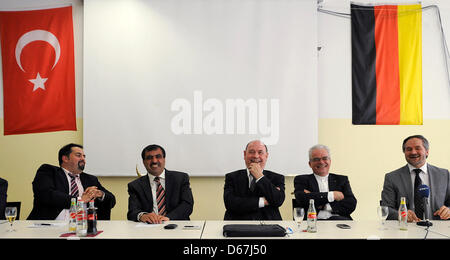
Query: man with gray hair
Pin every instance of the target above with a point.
(332, 194)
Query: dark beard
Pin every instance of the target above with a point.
(81, 166)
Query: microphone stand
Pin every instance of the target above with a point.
(425, 222)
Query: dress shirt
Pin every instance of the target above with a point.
(65, 214)
(250, 179)
(425, 181)
(153, 186)
(325, 213)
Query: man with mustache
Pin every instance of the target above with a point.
(332, 194)
(54, 187)
(161, 195)
(402, 183)
(254, 193)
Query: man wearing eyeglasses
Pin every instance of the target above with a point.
(332, 194)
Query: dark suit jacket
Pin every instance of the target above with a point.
(242, 204)
(179, 199)
(335, 183)
(3, 196)
(51, 194)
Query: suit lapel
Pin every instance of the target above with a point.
(63, 179)
(434, 182)
(243, 180)
(332, 182)
(147, 189)
(313, 183)
(405, 176)
(169, 184)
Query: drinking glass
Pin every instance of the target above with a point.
(383, 212)
(11, 214)
(299, 213)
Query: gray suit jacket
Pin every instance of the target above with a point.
(398, 184)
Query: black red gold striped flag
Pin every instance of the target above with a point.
(386, 64)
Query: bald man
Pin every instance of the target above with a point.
(254, 193)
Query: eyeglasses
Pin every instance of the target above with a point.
(325, 158)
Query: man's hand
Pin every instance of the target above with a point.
(91, 193)
(338, 195)
(255, 170)
(443, 213)
(412, 216)
(153, 218)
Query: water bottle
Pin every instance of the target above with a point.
(403, 214)
(311, 217)
(81, 219)
(91, 219)
(73, 216)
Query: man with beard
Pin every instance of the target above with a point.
(54, 187)
(404, 182)
(161, 195)
(254, 193)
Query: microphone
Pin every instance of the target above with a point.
(424, 193)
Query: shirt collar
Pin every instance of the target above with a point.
(424, 168)
(70, 174)
(321, 178)
(161, 176)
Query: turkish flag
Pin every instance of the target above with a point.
(38, 70)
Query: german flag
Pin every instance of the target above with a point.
(387, 64)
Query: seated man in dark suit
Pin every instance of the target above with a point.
(161, 195)
(54, 187)
(253, 193)
(332, 194)
(3, 196)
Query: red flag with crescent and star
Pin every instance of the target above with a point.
(38, 70)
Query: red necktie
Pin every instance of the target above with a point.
(160, 197)
(73, 186)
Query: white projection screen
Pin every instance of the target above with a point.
(201, 78)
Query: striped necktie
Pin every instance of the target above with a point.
(160, 197)
(73, 186)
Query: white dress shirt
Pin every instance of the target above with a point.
(325, 213)
(65, 214)
(153, 186)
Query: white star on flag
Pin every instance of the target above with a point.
(38, 82)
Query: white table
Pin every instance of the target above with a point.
(329, 230)
(111, 230)
(123, 229)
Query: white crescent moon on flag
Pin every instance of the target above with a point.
(37, 35)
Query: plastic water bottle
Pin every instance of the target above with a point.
(312, 217)
(81, 219)
(403, 214)
(91, 219)
(73, 216)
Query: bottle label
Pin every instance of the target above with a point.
(312, 215)
(73, 215)
(81, 216)
(404, 214)
(91, 217)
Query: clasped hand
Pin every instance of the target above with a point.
(91, 193)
